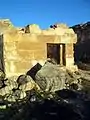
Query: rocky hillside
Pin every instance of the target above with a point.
(82, 48)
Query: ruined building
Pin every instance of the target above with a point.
(22, 48)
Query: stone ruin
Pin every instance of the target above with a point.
(22, 48)
(38, 66)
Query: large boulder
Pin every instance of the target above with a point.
(26, 83)
(22, 79)
(51, 77)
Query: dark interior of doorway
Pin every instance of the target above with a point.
(53, 52)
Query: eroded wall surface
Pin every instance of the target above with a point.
(23, 50)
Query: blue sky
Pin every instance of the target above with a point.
(45, 12)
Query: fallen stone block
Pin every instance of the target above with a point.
(23, 79)
(51, 77)
(26, 83)
(32, 72)
(27, 86)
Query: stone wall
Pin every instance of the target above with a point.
(23, 50)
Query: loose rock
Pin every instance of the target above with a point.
(51, 77)
(32, 72)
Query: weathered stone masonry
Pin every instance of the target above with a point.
(23, 50)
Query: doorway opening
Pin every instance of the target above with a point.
(57, 53)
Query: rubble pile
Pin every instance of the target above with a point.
(15, 87)
(47, 78)
(43, 86)
(66, 105)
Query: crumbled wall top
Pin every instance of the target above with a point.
(57, 29)
(6, 25)
(61, 29)
(33, 28)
